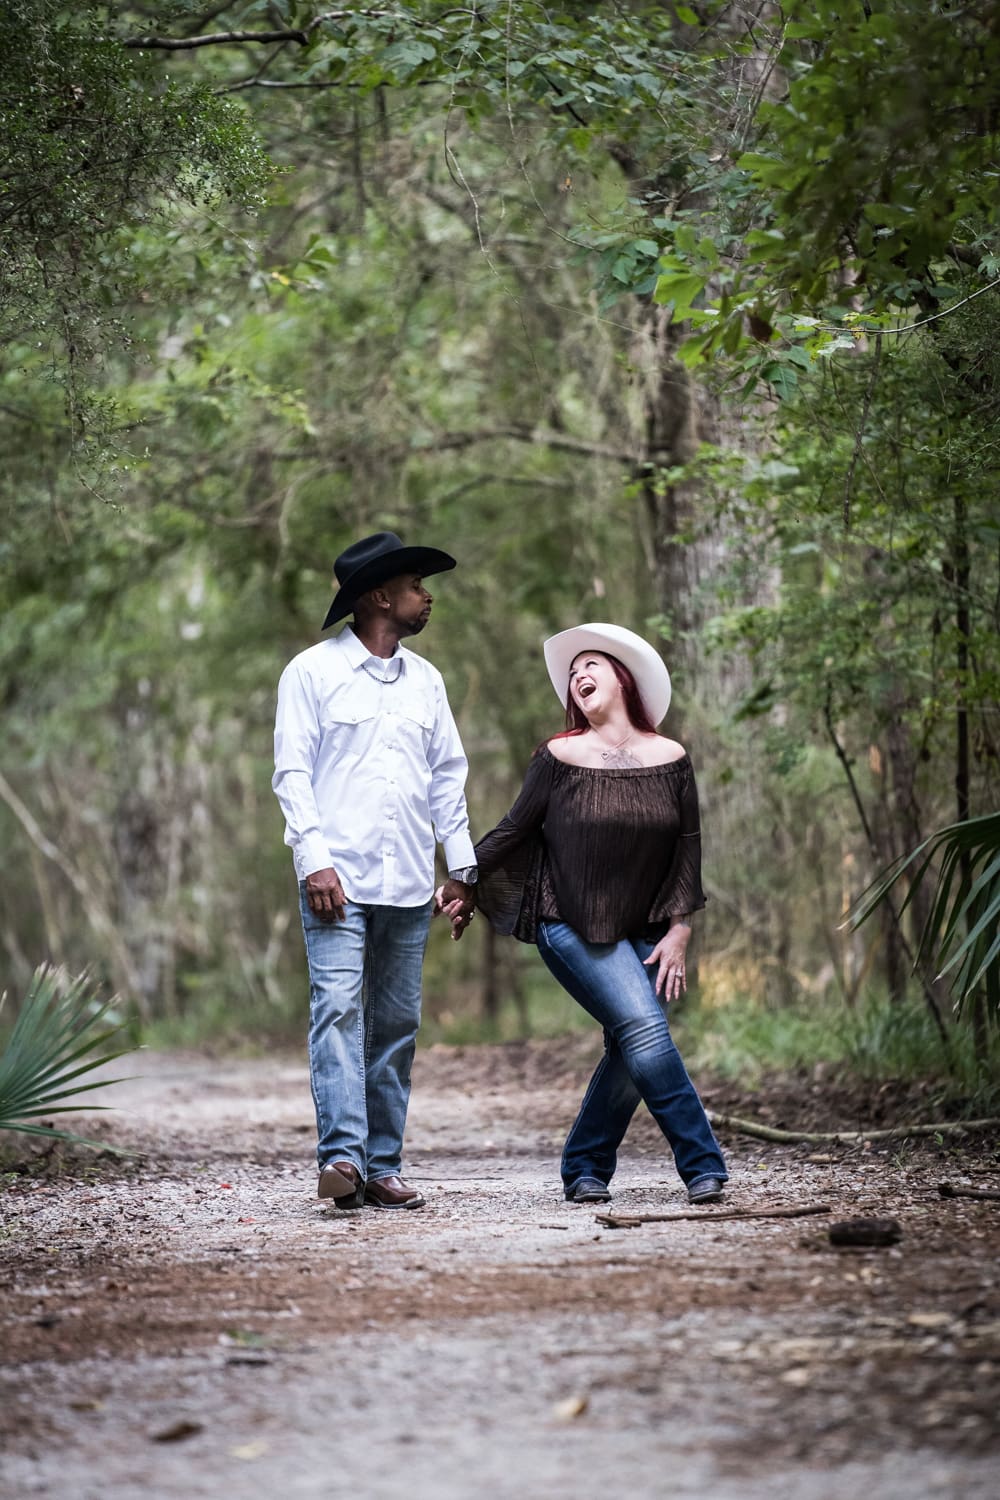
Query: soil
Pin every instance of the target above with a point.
(190, 1321)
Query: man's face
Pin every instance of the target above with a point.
(409, 603)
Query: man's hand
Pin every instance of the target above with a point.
(325, 895)
(457, 902)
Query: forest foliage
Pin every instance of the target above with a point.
(680, 316)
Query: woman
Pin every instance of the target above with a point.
(598, 861)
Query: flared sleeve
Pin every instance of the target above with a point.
(681, 891)
(511, 857)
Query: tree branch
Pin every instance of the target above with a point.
(256, 79)
(848, 772)
(946, 1190)
(524, 434)
(231, 38)
(632, 1221)
(860, 433)
(896, 916)
(817, 1137)
(214, 39)
(256, 82)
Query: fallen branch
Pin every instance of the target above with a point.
(631, 1221)
(947, 1191)
(811, 1137)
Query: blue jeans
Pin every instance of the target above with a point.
(640, 1060)
(364, 1011)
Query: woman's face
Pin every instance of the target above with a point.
(593, 685)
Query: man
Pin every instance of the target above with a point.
(369, 769)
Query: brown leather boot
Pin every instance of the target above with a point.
(392, 1192)
(341, 1181)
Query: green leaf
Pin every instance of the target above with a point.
(58, 1037)
(767, 169)
(957, 900)
(681, 290)
(780, 377)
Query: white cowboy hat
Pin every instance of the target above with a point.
(647, 667)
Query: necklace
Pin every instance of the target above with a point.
(618, 758)
(377, 677)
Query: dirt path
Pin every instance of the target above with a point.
(199, 1325)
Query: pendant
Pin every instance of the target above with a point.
(620, 760)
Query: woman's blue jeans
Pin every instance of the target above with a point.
(640, 1060)
(364, 1011)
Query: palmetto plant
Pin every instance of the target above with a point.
(961, 936)
(60, 1035)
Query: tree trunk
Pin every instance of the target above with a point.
(670, 437)
(140, 857)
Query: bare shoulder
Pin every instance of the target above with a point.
(568, 750)
(662, 752)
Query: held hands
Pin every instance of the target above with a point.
(325, 895)
(456, 901)
(669, 953)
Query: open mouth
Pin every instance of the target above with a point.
(587, 689)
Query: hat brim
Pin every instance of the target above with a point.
(420, 560)
(646, 665)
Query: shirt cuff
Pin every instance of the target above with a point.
(313, 854)
(458, 851)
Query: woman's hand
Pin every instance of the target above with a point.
(458, 909)
(671, 977)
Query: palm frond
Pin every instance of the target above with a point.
(60, 1035)
(960, 936)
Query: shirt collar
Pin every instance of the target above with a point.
(358, 655)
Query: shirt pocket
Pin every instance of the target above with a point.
(416, 722)
(340, 720)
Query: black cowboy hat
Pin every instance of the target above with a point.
(374, 560)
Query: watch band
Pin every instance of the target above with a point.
(468, 875)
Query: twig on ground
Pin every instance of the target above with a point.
(809, 1137)
(631, 1221)
(947, 1191)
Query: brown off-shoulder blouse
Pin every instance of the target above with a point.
(615, 853)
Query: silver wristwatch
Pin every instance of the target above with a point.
(468, 876)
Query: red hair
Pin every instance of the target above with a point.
(576, 719)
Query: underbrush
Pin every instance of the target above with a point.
(735, 1037)
(878, 1040)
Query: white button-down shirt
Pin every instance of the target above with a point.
(369, 770)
